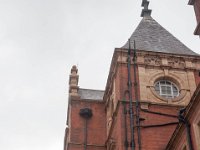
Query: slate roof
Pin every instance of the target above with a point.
(151, 36)
(89, 94)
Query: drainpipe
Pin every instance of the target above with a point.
(85, 113)
(183, 120)
(136, 97)
(125, 125)
(130, 98)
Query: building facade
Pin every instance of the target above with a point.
(152, 77)
(196, 4)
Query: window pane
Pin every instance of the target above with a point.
(162, 82)
(157, 87)
(163, 90)
(168, 90)
(174, 88)
(175, 93)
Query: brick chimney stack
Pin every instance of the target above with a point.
(73, 82)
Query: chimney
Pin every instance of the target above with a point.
(73, 82)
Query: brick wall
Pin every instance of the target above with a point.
(96, 129)
(122, 82)
(197, 9)
(196, 4)
(197, 77)
(152, 138)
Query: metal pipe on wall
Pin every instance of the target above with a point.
(130, 99)
(183, 120)
(136, 96)
(86, 113)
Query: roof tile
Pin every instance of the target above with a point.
(89, 94)
(151, 36)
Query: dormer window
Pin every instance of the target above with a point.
(166, 89)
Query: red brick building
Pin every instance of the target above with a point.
(152, 77)
(179, 139)
(196, 4)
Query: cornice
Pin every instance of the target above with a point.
(164, 61)
(161, 54)
(88, 100)
(94, 145)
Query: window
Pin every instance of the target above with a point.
(166, 89)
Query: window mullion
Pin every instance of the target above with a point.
(160, 88)
(172, 90)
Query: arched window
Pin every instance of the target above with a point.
(166, 89)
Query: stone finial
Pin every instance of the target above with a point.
(145, 11)
(73, 81)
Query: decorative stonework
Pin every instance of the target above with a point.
(109, 123)
(144, 106)
(196, 63)
(111, 144)
(152, 60)
(73, 81)
(109, 109)
(177, 99)
(183, 79)
(178, 69)
(171, 77)
(176, 62)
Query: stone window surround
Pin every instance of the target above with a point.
(176, 80)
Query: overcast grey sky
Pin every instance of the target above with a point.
(39, 42)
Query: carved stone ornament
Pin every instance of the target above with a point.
(176, 62)
(111, 144)
(152, 60)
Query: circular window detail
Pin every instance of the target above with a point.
(166, 89)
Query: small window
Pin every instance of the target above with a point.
(166, 89)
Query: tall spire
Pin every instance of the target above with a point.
(145, 11)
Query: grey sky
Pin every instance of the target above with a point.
(39, 42)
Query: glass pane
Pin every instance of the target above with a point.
(163, 90)
(169, 90)
(174, 88)
(175, 93)
(157, 87)
(162, 82)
